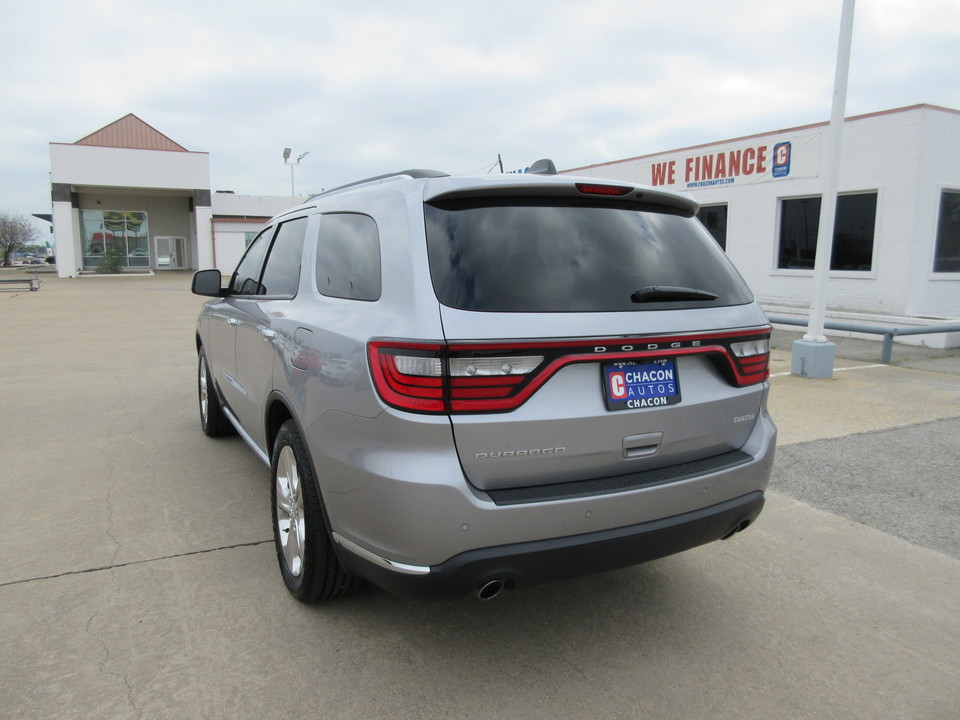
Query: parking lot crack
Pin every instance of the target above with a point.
(110, 513)
(103, 666)
(146, 561)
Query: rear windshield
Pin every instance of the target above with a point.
(535, 255)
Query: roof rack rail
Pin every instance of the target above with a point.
(401, 175)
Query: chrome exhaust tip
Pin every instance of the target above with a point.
(490, 589)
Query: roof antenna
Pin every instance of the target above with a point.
(543, 167)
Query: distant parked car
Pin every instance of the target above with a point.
(477, 383)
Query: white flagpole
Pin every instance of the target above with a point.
(817, 361)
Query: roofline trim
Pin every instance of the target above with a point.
(852, 118)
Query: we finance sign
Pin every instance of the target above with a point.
(743, 163)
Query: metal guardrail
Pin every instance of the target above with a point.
(888, 333)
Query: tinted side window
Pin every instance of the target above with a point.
(281, 276)
(348, 257)
(246, 279)
(853, 230)
(947, 258)
(547, 256)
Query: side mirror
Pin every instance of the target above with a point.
(207, 283)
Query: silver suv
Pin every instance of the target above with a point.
(466, 384)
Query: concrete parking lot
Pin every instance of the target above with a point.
(139, 579)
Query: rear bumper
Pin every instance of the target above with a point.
(540, 561)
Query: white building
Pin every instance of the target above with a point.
(130, 190)
(896, 245)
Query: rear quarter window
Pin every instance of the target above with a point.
(536, 255)
(348, 257)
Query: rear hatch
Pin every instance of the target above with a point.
(593, 331)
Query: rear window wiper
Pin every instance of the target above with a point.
(669, 293)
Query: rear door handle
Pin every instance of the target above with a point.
(268, 333)
(635, 446)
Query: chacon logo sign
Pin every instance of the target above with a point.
(781, 159)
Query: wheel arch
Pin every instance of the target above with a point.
(277, 413)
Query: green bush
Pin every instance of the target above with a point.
(112, 261)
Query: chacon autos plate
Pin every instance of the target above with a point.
(629, 386)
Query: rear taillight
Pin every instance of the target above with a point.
(481, 377)
(752, 360)
(409, 376)
(434, 378)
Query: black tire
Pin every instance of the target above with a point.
(309, 565)
(213, 421)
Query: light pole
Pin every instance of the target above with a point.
(813, 354)
(292, 164)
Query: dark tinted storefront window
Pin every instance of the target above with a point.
(714, 219)
(540, 256)
(853, 231)
(947, 258)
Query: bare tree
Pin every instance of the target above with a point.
(16, 232)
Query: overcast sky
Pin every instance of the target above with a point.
(375, 86)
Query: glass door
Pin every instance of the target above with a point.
(170, 252)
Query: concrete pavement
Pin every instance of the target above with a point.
(139, 580)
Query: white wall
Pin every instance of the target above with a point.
(261, 206)
(936, 294)
(123, 167)
(230, 243)
(65, 229)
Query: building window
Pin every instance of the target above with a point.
(714, 219)
(248, 237)
(853, 231)
(109, 231)
(947, 257)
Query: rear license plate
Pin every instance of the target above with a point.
(629, 386)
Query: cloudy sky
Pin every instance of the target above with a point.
(380, 85)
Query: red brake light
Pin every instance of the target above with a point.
(402, 375)
(752, 358)
(598, 189)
